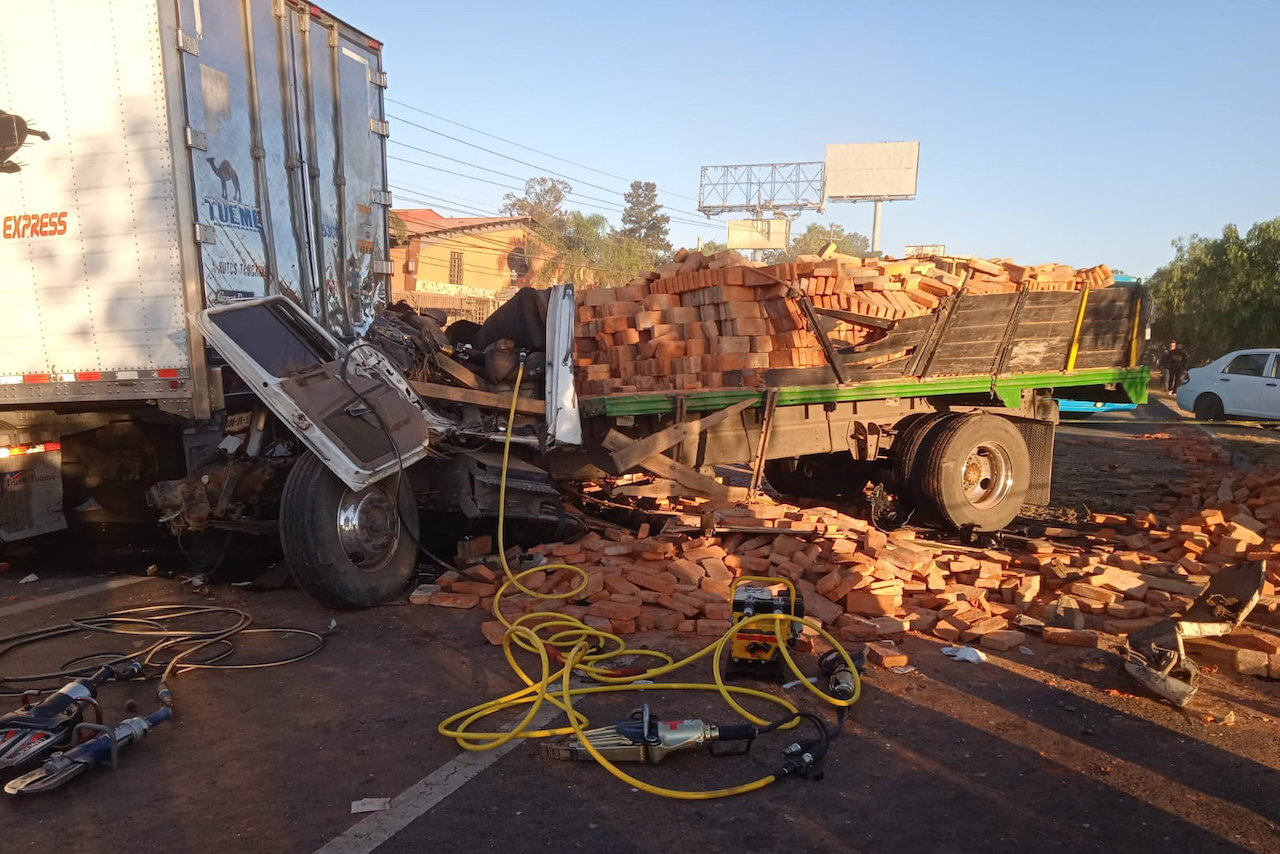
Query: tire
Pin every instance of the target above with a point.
(906, 447)
(975, 473)
(329, 562)
(835, 475)
(781, 475)
(1208, 407)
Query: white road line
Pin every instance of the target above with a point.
(43, 601)
(413, 802)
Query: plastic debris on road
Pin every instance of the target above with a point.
(370, 805)
(965, 653)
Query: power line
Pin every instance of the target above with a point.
(522, 162)
(601, 204)
(526, 147)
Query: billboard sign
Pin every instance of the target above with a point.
(772, 233)
(871, 170)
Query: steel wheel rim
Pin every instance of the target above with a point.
(368, 527)
(987, 476)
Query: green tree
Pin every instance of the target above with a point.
(815, 236)
(543, 200)
(643, 219)
(399, 230)
(1220, 294)
(711, 247)
(584, 249)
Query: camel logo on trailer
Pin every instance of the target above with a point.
(230, 210)
(14, 131)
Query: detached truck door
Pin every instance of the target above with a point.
(351, 407)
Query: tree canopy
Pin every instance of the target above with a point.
(1220, 294)
(815, 236)
(572, 246)
(643, 219)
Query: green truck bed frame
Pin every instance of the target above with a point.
(1008, 389)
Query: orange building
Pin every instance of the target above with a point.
(464, 265)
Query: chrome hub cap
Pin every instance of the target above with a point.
(368, 527)
(988, 475)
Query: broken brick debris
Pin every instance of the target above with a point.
(1111, 575)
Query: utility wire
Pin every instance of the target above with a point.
(602, 204)
(526, 147)
(572, 178)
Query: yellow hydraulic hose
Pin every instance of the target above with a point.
(551, 635)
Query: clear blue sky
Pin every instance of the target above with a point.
(1074, 132)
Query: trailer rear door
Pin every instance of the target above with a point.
(286, 134)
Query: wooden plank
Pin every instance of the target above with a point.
(458, 373)
(673, 435)
(669, 468)
(485, 399)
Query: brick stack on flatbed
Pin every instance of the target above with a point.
(710, 322)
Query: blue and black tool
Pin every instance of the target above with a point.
(29, 735)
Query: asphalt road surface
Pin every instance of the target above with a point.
(1053, 751)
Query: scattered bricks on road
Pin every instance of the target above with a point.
(686, 570)
(712, 628)
(479, 588)
(983, 627)
(1129, 609)
(716, 568)
(493, 632)
(872, 605)
(1233, 659)
(444, 599)
(1069, 637)
(1246, 639)
(1124, 627)
(886, 655)
(422, 594)
(1003, 639)
(617, 584)
(613, 611)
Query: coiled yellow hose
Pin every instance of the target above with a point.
(557, 636)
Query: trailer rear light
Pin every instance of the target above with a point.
(22, 450)
(375, 44)
(317, 12)
(166, 373)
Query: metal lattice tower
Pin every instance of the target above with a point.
(758, 187)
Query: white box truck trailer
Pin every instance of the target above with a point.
(158, 158)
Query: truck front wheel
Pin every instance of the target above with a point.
(347, 549)
(975, 473)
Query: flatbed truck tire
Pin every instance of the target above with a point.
(975, 473)
(347, 549)
(910, 446)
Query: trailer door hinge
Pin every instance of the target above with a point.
(188, 44)
(196, 139)
(380, 128)
(205, 233)
(384, 268)
(380, 197)
(377, 78)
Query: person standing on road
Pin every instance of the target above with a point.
(1173, 362)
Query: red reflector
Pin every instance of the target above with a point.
(35, 378)
(53, 446)
(316, 11)
(167, 372)
(174, 383)
(375, 44)
(88, 376)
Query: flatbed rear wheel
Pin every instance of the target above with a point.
(347, 549)
(974, 473)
